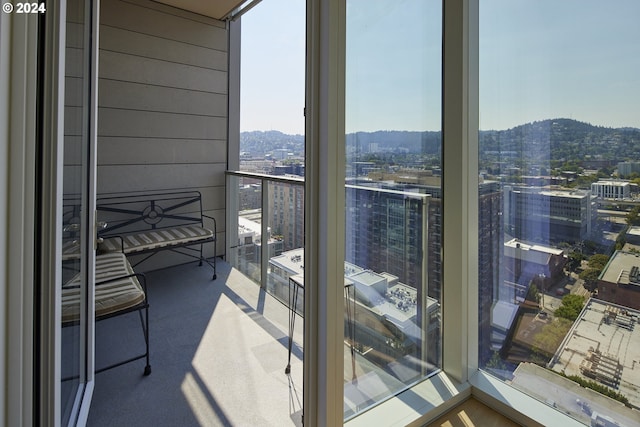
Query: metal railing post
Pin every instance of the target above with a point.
(264, 254)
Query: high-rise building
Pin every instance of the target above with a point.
(286, 214)
(386, 230)
(490, 250)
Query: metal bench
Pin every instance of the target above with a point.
(149, 223)
(118, 290)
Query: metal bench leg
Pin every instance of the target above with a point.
(215, 270)
(145, 331)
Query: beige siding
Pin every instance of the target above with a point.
(162, 117)
(159, 151)
(75, 116)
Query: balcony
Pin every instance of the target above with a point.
(218, 354)
(219, 348)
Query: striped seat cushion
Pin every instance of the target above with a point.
(152, 239)
(110, 297)
(70, 250)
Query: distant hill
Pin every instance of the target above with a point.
(259, 143)
(558, 139)
(564, 139)
(428, 142)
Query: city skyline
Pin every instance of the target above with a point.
(551, 64)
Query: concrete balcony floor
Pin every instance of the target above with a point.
(218, 354)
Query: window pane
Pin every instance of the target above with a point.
(559, 159)
(272, 88)
(268, 191)
(393, 203)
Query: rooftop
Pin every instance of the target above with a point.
(514, 243)
(532, 253)
(569, 397)
(248, 224)
(575, 194)
(292, 261)
(634, 230)
(604, 344)
(619, 267)
(612, 182)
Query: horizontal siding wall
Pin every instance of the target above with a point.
(74, 118)
(162, 117)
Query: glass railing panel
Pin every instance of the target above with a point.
(286, 248)
(246, 241)
(270, 212)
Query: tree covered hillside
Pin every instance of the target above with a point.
(563, 140)
(551, 142)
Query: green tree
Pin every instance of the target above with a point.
(598, 261)
(570, 307)
(575, 260)
(589, 246)
(590, 277)
(633, 217)
(496, 362)
(621, 240)
(533, 294)
(607, 171)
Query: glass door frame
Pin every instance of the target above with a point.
(47, 390)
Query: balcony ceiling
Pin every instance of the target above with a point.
(217, 9)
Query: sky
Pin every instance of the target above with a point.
(539, 60)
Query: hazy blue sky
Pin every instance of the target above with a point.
(539, 59)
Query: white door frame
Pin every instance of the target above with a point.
(48, 405)
(18, 106)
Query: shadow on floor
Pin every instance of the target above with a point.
(218, 353)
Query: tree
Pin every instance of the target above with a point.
(575, 260)
(621, 240)
(590, 246)
(590, 277)
(605, 172)
(633, 217)
(496, 362)
(570, 307)
(533, 294)
(598, 261)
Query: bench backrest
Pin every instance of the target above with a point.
(129, 212)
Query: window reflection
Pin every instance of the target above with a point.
(393, 198)
(558, 265)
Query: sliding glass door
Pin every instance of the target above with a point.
(78, 207)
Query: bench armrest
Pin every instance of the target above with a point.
(215, 226)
